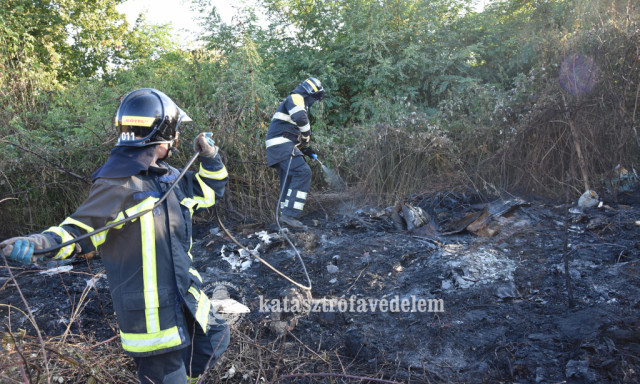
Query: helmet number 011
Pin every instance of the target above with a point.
(126, 136)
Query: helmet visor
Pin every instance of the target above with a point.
(134, 129)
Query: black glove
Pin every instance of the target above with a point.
(309, 152)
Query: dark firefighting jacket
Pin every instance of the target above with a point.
(148, 260)
(289, 127)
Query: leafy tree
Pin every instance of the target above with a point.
(46, 45)
(375, 56)
(57, 61)
(67, 38)
(511, 36)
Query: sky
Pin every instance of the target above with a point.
(176, 12)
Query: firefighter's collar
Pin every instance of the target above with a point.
(158, 170)
(126, 162)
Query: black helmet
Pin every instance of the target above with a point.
(313, 88)
(147, 116)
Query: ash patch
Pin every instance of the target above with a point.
(471, 267)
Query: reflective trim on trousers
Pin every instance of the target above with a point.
(147, 342)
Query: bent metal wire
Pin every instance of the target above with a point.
(162, 199)
(307, 288)
(126, 219)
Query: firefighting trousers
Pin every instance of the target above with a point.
(185, 365)
(294, 186)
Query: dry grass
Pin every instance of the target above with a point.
(404, 159)
(254, 358)
(29, 356)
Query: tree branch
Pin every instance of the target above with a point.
(58, 166)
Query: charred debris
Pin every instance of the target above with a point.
(515, 290)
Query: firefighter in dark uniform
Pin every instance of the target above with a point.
(163, 314)
(288, 138)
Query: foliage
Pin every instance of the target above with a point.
(510, 36)
(75, 131)
(528, 96)
(398, 74)
(58, 61)
(377, 58)
(47, 45)
(48, 170)
(66, 39)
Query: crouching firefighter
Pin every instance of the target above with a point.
(163, 314)
(288, 138)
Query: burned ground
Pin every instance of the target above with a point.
(497, 265)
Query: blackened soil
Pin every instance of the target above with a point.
(74, 301)
(500, 304)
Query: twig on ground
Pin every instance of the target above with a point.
(340, 362)
(12, 380)
(44, 352)
(24, 359)
(284, 339)
(357, 278)
(95, 288)
(307, 348)
(361, 378)
(104, 342)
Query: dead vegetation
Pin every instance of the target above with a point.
(583, 122)
(57, 359)
(543, 137)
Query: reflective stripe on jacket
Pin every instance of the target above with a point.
(289, 126)
(148, 260)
